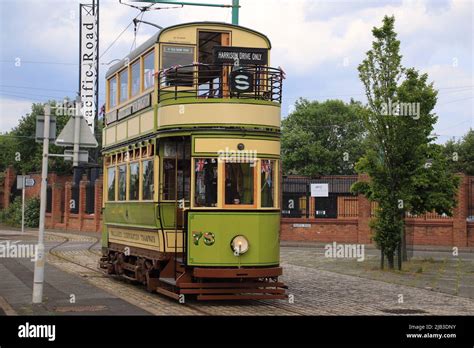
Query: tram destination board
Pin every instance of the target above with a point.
(244, 55)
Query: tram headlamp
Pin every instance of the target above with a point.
(239, 245)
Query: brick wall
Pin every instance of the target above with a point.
(470, 234)
(430, 229)
(8, 187)
(328, 230)
(61, 216)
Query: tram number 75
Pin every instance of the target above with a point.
(207, 237)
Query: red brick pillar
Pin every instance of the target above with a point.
(460, 214)
(98, 203)
(67, 202)
(82, 202)
(56, 211)
(363, 229)
(52, 178)
(8, 185)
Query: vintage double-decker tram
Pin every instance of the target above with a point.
(191, 148)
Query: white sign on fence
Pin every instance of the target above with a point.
(319, 190)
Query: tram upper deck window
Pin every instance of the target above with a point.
(135, 78)
(148, 69)
(123, 80)
(112, 92)
(239, 183)
(147, 180)
(111, 183)
(267, 183)
(205, 189)
(178, 56)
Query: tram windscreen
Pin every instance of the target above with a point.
(239, 183)
(205, 189)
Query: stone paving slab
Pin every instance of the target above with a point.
(450, 275)
(316, 287)
(16, 281)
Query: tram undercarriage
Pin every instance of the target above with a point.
(166, 274)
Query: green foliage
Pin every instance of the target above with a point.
(460, 154)
(32, 212)
(12, 215)
(322, 138)
(407, 171)
(19, 148)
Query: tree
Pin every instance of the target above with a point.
(322, 138)
(20, 149)
(408, 172)
(461, 154)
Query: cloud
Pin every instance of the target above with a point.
(319, 43)
(11, 110)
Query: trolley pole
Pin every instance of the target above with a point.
(40, 260)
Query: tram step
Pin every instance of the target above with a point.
(170, 281)
(241, 297)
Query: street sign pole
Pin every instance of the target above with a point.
(77, 132)
(23, 204)
(40, 260)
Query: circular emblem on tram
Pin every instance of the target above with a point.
(209, 238)
(240, 146)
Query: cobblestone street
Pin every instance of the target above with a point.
(316, 286)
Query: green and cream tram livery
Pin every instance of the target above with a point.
(191, 148)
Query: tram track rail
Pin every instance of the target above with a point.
(56, 252)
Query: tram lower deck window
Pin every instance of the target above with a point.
(176, 178)
(205, 189)
(239, 183)
(122, 182)
(147, 177)
(111, 184)
(133, 188)
(267, 183)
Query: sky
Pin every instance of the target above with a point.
(318, 43)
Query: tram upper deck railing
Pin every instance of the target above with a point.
(219, 81)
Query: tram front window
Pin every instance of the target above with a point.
(121, 182)
(205, 189)
(148, 186)
(239, 183)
